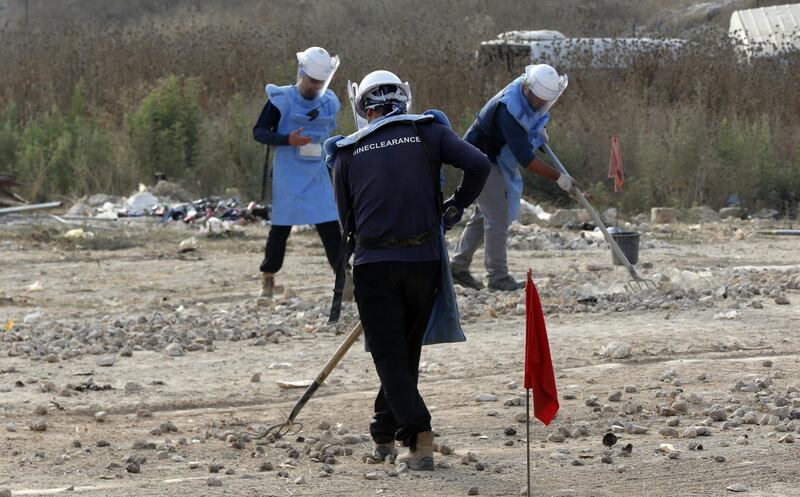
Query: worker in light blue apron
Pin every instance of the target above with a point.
(296, 120)
(508, 129)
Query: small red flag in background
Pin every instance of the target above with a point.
(539, 374)
(615, 171)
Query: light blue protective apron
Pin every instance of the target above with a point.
(302, 192)
(443, 325)
(529, 119)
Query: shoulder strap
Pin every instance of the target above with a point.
(346, 249)
(434, 172)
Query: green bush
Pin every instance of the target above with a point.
(62, 154)
(9, 137)
(229, 156)
(164, 131)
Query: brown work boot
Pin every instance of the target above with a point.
(421, 457)
(267, 285)
(347, 290)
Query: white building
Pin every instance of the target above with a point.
(554, 48)
(767, 31)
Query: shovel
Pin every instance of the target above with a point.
(290, 426)
(637, 283)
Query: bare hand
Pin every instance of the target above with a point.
(297, 140)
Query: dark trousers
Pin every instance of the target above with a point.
(330, 233)
(394, 302)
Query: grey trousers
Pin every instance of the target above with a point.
(489, 225)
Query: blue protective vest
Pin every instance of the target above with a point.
(302, 192)
(444, 325)
(531, 120)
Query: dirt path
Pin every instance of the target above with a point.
(203, 394)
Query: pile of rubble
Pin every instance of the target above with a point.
(169, 202)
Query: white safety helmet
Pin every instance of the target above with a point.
(544, 82)
(316, 63)
(381, 88)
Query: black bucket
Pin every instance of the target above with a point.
(628, 242)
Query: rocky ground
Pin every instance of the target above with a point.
(132, 365)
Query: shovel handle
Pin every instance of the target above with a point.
(351, 338)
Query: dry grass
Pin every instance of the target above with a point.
(669, 116)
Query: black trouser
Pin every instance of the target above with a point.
(394, 302)
(330, 233)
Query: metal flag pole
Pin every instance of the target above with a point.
(528, 434)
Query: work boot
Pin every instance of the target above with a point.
(267, 285)
(347, 290)
(465, 279)
(507, 284)
(421, 457)
(383, 451)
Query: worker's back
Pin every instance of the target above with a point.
(390, 180)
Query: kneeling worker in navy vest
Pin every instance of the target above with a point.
(296, 120)
(388, 191)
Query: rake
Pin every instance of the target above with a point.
(637, 283)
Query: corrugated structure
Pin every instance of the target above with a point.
(767, 31)
(519, 48)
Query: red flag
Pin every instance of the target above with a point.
(615, 171)
(538, 366)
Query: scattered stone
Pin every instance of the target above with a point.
(133, 467)
(635, 429)
(300, 480)
(107, 360)
(100, 416)
(631, 389)
(40, 410)
(215, 467)
(616, 350)
(445, 450)
(615, 396)
(213, 481)
(374, 475)
(788, 438)
(781, 300)
(668, 431)
(663, 215)
(473, 491)
(40, 425)
(175, 350)
(132, 387)
(737, 487)
(731, 212)
(256, 378)
(486, 397)
(556, 437)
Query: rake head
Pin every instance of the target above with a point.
(279, 430)
(640, 285)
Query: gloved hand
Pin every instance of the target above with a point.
(565, 182)
(452, 213)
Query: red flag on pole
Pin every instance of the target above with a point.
(539, 374)
(615, 171)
